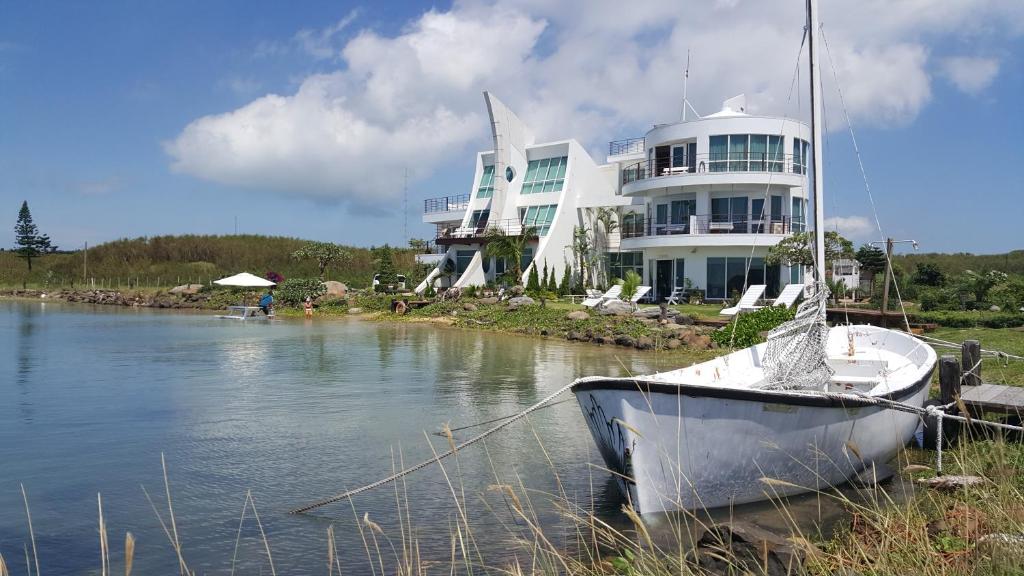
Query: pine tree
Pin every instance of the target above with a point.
(30, 243)
(533, 281)
(552, 286)
(544, 277)
(385, 268)
(565, 288)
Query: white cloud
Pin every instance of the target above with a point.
(585, 69)
(969, 74)
(856, 228)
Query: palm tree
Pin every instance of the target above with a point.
(582, 246)
(607, 219)
(510, 247)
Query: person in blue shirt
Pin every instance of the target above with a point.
(267, 302)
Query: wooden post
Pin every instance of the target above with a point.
(949, 379)
(972, 362)
(888, 275)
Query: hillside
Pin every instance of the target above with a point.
(954, 264)
(171, 260)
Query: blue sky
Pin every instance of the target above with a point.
(124, 119)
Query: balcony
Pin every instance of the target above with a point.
(477, 234)
(713, 229)
(705, 164)
(446, 204)
(627, 146)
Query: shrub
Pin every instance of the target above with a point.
(371, 302)
(295, 290)
(533, 281)
(747, 328)
(565, 288)
(630, 283)
(971, 318)
(1009, 296)
(938, 299)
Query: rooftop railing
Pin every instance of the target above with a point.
(446, 204)
(639, 226)
(714, 163)
(627, 146)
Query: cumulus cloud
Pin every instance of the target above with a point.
(970, 75)
(584, 69)
(856, 228)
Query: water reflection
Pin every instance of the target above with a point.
(26, 354)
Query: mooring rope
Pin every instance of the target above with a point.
(441, 456)
(939, 412)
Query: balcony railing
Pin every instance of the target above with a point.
(478, 233)
(723, 163)
(446, 204)
(627, 146)
(639, 226)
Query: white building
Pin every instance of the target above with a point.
(552, 186)
(715, 194)
(847, 271)
(699, 202)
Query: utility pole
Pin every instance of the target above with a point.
(889, 242)
(85, 263)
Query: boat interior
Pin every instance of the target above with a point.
(865, 359)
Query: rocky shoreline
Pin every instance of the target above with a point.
(186, 299)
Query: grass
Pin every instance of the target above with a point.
(996, 371)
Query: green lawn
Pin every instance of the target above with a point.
(996, 371)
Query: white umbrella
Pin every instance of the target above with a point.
(244, 279)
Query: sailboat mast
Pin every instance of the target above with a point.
(813, 29)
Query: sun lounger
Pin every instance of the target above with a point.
(789, 295)
(611, 294)
(641, 291)
(748, 302)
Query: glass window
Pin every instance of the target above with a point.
(540, 217)
(718, 153)
(738, 215)
(758, 152)
(775, 155)
(735, 270)
(757, 215)
(621, 262)
(499, 266)
(800, 156)
(478, 219)
(526, 259)
(661, 214)
(681, 211)
(679, 158)
(716, 278)
(462, 260)
(486, 188)
(738, 152)
(545, 175)
(680, 273)
(798, 215)
(720, 210)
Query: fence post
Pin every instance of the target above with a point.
(949, 379)
(971, 359)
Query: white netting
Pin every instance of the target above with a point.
(795, 356)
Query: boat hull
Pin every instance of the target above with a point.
(674, 446)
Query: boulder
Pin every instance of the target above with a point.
(672, 344)
(335, 289)
(603, 340)
(625, 340)
(186, 289)
(489, 301)
(577, 315)
(994, 308)
(469, 307)
(698, 341)
(615, 308)
(515, 291)
(651, 312)
(645, 343)
(516, 302)
(751, 549)
(355, 310)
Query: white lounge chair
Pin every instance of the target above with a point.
(641, 291)
(593, 293)
(611, 294)
(789, 295)
(748, 302)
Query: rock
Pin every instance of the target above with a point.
(453, 293)
(994, 308)
(603, 340)
(516, 302)
(673, 343)
(335, 289)
(543, 331)
(645, 343)
(615, 308)
(1002, 547)
(577, 315)
(488, 301)
(751, 549)
(515, 291)
(952, 482)
(650, 312)
(186, 289)
(625, 340)
(355, 310)
(469, 307)
(672, 327)
(696, 341)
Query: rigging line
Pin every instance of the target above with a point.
(767, 190)
(864, 175)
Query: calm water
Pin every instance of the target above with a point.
(294, 411)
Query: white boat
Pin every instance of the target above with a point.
(761, 422)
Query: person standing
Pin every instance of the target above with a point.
(267, 303)
(307, 306)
